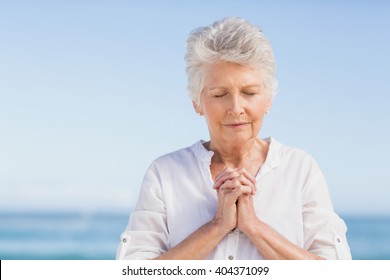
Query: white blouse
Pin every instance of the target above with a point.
(177, 197)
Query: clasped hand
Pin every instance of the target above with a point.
(235, 204)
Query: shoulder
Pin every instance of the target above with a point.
(176, 165)
(177, 156)
(179, 159)
(299, 167)
(290, 157)
(287, 151)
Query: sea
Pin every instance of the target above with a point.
(95, 236)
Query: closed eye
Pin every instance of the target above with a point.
(219, 95)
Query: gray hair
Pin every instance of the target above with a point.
(231, 39)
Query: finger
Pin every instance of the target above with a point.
(246, 182)
(244, 198)
(224, 172)
(229, 175)
(230, 185)
(243, 189)
(249, 176)
(226, 169)
(235, 186)
(233, 195)
(227, 186)
(237, 182)
(224, 194)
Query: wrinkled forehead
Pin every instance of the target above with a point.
(227, 74)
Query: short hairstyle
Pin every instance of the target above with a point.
(231, 39)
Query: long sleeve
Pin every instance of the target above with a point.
(324, 230)
(146, 235)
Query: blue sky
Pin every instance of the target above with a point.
(92, 91)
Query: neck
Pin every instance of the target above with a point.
(238, 155)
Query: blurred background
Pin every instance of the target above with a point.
(92, 91)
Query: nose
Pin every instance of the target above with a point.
(236, 105)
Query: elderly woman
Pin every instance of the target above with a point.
(236, 196)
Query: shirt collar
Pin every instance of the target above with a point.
(202, 153)
(272, 161)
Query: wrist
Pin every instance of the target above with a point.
(220, 227)
(251, 228)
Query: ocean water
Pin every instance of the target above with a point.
(60, 236)
(95, 236)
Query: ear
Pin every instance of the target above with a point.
(197, 108)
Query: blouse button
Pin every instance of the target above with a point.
(338, 240)
(124, 240)
(231, 257)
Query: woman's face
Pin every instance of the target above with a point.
(233, 101)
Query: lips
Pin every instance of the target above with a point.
(238, 124)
